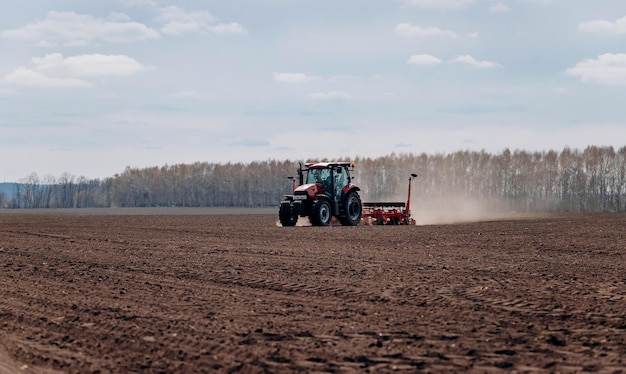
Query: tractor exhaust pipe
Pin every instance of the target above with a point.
(293, 184)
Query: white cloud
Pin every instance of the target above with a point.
(180, 28)
(72, 29)
(406, 29)
(31, 78)
(179, 22)
(54, 70)
(601, 26)
(440, 4)
(118, 17)
(608, 69)
(332, 95)
(499, 7)
(469, 60)
(228, 28)
(88, 65)
(294, 77)
(424, 60)
(77, 30)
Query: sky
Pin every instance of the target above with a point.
(92, 87)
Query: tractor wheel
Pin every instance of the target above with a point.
(352, 210)
(286, 216)
(320, 213)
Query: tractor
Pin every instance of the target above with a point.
(324, 191)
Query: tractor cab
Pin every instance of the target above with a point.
(331, 179)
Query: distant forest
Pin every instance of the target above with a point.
(589, 180)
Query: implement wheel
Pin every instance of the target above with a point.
(352, 210)
(320, 213)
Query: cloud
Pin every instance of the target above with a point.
(332, 95)
(469, 60)
(617, 27)
(608, 69)
(499, 7)
(406, 29)
(31, 78)
(54, 70)
(180, 22)
(118, 17)
(294, 77)
(72, 29)
(92, 65)
(440, 4)
(424, 60)
(228, 28)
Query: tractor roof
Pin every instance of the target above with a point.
(325, 165)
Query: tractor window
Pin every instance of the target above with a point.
(341, 179)
(318, 176)
(321, 176)
(312, 176)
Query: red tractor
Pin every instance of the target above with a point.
(325, 190)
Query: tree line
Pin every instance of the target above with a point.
(589, 180)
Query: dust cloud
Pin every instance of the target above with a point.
(302, 221)
(457, 209)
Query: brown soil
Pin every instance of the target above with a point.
(228, 293)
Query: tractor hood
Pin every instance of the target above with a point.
(311, 190)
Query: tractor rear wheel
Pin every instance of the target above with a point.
(320, 213)
(352, 210)
(286, 216)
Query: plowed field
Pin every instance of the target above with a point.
(236, 293)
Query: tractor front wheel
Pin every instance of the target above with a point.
(320, 213)
(352, 210)
(286, 216)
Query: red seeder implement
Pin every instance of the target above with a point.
(389, 213)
